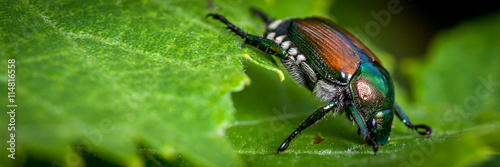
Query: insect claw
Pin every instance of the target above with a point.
(428, 129)
(284, 145)
(374, 145)
(210, 15)
(375, 149)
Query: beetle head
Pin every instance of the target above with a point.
(379, 126)
(373, 96)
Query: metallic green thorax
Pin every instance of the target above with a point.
(372, 89)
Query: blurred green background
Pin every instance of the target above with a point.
(155, 83)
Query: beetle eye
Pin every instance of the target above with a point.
(374, 123)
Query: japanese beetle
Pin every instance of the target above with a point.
(339, 70)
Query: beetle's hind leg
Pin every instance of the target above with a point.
(262, 16)
(259, 42)
(422, 129)
(312, 119)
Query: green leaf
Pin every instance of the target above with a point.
(132, 83)
(121, 80)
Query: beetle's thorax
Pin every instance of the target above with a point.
(372, 89)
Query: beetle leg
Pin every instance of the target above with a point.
(359, 121)
(402, 116)
(259, 42)
(312, 119)
(362, 127)
(261, 14)
(266, 45)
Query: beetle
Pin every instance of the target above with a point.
(339, 70)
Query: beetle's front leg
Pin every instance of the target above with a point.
(312, 119)
(402, 116)
(259, 42)
(356, 116)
